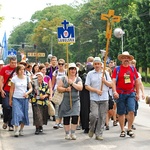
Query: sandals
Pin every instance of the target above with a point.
(123, 134)
(4, 126)
(130, 133)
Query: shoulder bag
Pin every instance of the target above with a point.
(58, 96)
(51, 109)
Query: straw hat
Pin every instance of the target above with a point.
(125, 53)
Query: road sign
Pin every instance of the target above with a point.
(66, 34)
(30, 54)
(12, 53)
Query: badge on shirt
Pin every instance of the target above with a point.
(127, 78)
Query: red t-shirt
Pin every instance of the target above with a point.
(120, 83)
(5, 72)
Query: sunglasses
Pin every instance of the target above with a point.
(72, 68)
(60, 64)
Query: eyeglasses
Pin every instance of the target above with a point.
(125, 57)
(72, 68)
(60, 64)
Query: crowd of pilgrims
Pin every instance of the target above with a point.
(49, 76)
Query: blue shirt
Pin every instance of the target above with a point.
(94, 79)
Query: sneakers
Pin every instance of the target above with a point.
(107, 128)
(11, 128)
(70, 137)
(56, 126)
(67, 137)
(78, 128)
(21, 133)
(60, 125)
(99, 138)
(73, 136)
(16, 134)
(91, 133)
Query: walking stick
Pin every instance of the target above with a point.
(68, 74)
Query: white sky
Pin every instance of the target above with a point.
(18, 11)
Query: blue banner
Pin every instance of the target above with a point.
(5, 48)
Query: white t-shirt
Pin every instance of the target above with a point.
(58, 76)
(20, 86)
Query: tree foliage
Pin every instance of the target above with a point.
(85, 17)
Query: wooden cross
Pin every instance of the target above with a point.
(110, 22)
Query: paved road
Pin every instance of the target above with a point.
(54, 139)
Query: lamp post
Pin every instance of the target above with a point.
(51, 39)
(118, 32)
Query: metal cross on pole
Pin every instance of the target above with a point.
(110, 18)
(66, 35)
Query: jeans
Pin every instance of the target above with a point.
(125, 103)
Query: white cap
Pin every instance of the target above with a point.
(97, 59)
(72, 65)
(39, 73)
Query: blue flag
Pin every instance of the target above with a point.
(5, 48)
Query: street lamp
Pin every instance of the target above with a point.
(51, 39)
(118, 32)
(89, 41)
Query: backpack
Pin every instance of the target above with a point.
(111, 100)
(118, 70)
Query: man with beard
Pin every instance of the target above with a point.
(125, 83)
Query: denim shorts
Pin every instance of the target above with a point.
(126, 103)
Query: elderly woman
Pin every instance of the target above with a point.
(18, 99)
(40, 102)
(70, 106)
